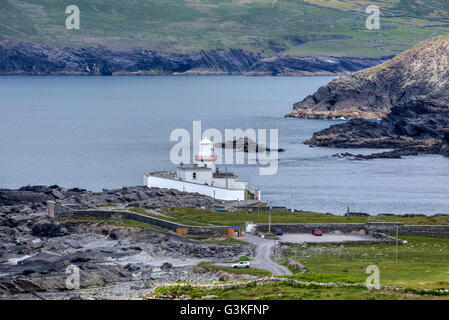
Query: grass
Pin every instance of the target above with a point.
(291, 291)
(122, 223)
(191, 216)
(138, 210)
(250, 271)
(422, 263)
(188, 26)
(216, 240)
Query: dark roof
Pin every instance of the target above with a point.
(236, 227)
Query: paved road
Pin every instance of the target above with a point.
(264, 251)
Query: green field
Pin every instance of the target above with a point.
(190, 216)
(290, 291)
(296, 27)
(422, 263)
(421, 271)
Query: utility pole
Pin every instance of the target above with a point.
(397, 241)
(269, 218)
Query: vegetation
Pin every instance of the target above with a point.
(217, 240)
(292, 291)
(324, 27)
(137, 210)
(191, 216)
(422, 263)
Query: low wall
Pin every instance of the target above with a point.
(219, 193)
(308, 227)
(371, 228)
(412, 230)
(63, 212)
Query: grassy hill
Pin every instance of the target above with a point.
(313, 27)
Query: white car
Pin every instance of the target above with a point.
(241, 264)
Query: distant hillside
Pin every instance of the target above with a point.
(266, 27)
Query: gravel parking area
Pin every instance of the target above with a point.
(310, 238)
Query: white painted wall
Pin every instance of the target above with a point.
(202, 176)
(220, 193)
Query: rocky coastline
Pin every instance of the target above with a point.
(20, 57)
(415, 127)
(401, 104)
(115, 261)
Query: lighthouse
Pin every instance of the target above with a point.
(202, 177)
(206, 156)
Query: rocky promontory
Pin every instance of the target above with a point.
(421, 73)
(19, 57)
(415, 127)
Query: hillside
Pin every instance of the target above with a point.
(419, 73)
(266, 27)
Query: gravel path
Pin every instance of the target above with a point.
(264, 251)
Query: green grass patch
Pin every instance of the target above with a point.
(292, 291)
(122, 223)
(190, 216)
(422, 263)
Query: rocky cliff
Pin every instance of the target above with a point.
(415, 126)
(20, 57)
(419, 73)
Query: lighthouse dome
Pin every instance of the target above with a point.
(206, 141)
(206, 151)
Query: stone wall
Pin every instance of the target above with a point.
(371, 228)
(308, 227)
(416, 230)
(63, 212)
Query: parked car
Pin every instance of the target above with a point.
(241, 264)
(278, 232)
(317, 232)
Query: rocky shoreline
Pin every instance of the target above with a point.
(412, 128)
(115, 261)
(26, 58)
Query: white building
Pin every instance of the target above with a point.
(203, 177)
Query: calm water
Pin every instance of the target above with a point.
(96, 133)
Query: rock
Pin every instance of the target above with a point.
(245, 145)
(211, 296)
(419, 73)
(23, 57)
(296, 265)
(166, 266)
(47, 229)
(73, 243)
(417, 126)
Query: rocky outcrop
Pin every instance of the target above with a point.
(20, 57)
(120, 262)
(421, 73)
(314, 65)
(245, 145)
(416, 126)
(28, 199)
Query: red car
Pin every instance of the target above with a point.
(317, 232)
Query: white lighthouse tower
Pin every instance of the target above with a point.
(206, 156)
(202, 177)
